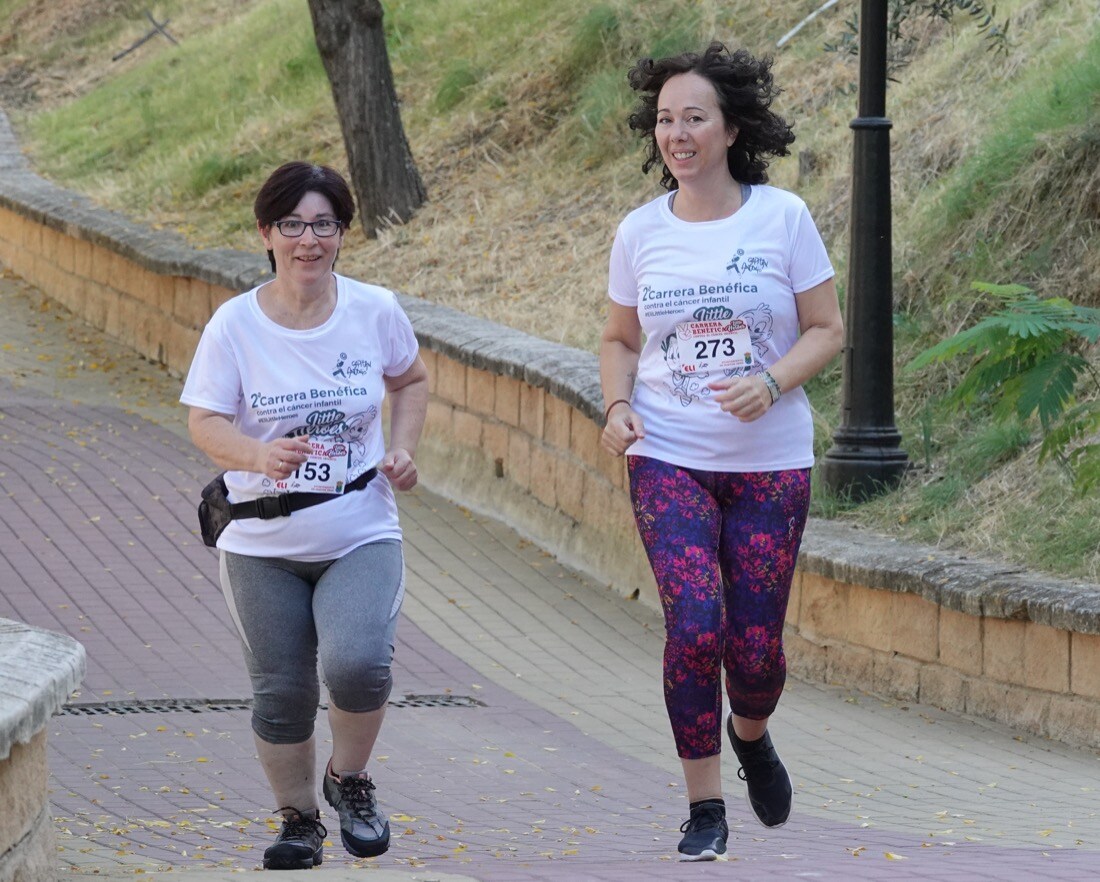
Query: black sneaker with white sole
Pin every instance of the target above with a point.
(363, 832)
(705, 832)
(766, 779)
(299, 843)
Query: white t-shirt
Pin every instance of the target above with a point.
(722, 292)
(326, 382)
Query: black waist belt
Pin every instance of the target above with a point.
(267, 507)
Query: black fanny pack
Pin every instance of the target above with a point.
(216, 511)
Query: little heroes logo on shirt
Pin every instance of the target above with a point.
(347, 369)
(741, 264)
(712, 313)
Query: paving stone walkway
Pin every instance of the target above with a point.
(527, 739)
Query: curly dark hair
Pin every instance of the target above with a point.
(745, 92)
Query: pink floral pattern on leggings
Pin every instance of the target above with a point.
(723, 548)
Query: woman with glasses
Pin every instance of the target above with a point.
(285, 393)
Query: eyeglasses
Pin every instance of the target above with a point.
(321, 228)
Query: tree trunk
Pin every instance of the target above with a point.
(352, 44)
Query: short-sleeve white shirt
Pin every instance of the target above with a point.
(327, 381)
(750, 266)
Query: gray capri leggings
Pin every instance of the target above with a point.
(289, 612)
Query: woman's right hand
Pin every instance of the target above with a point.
(279, 459)
(624, 427)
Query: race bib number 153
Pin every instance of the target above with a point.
(326, 470)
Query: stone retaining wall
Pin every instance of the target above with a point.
(513, 430)
(38, 672)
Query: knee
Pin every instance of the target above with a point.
(284, 724)
(695, 635)
(362, 687)
(284, 710)
(759, 669)
(282, 732)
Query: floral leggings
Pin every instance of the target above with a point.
(723, 548)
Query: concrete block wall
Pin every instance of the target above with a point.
(513, 430)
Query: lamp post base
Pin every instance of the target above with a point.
(859, 472)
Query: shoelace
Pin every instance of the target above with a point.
(708, 817)
(359, 793)
(761, 759)
(298, 827)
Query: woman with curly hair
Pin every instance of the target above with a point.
(722, 306)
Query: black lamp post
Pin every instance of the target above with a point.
(865, 458)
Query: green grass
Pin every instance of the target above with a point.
(218, 169)
(596, 39)
(193, 119)
(208, 114)
(992, 444)
(459, 79)
(1039, 107)
(1039, 129)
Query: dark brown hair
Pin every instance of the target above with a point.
(745, 92)
(285, 187)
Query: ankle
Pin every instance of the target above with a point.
(311, 814)
(344, 773)
(745, 743)
(708, 801)
(746, 730)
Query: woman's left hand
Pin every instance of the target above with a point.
(398, 466)
(746, 398)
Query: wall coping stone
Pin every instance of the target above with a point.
(958, 582)
(831, 549)
(39, 670)
(569, 374)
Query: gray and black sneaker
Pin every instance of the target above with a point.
(705, 832)
(362, 831)
(765, 776)
(299, 843)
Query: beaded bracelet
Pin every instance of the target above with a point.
(773, 387)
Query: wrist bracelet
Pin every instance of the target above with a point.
(607, 412)
(773, 386)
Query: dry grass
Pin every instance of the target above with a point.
(1020, 514)
(520, 217)
(513, 241)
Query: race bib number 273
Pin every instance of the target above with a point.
(714, 345)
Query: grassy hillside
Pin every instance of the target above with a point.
(516, 116)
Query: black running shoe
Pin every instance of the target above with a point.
(299, 844)
(362, 831)
(765, 776)
(705, 833)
